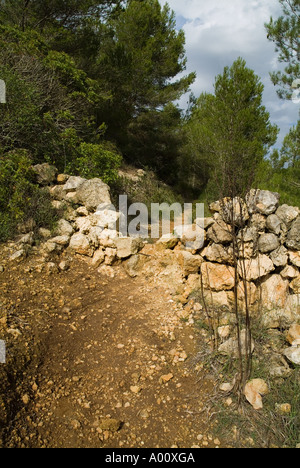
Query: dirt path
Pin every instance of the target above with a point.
(116, 368)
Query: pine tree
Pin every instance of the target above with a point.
(285, 33)
(233, 130)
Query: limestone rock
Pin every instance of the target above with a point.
(93, 193)
(293, 333)
(268, 243)
(262, 201)
(108, 238)
(287, 213)
(256, 267)
(254, 390)
(234, 211)
(204, 223)
(83, 224)
(274, 224)
(220, 232)
(127, 246)
(106, 217)
(295, 258)
(98, 258)
(60, 240)
(293, 354)
(274, 292)
(258, 221)
(290, 272)
(231, 347)
(218, 253)
(279, 256)
(168, 241)
(217, 277)
(192, 236)
(293, 238)
(189, 263)
(79, 243)
(64, 228)
(73, 184)
(295, 285)
(62, 179)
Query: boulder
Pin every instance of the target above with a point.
(218, 253)
(72, 184)
(60, 240)
(192, 236)
(220, 232)
(279, 256)
(217, 277)
(106, 216)
(231, 346)
(256, 267)
(273, 224)
(234, 211)
(293, 237)
(45, 174)
(295, 258)
(93, 193)
(289, 272)
(80, 244)
(274, 292)
(262, 201)
(268, 243)
(287, 213)
(168, 241)
(64, 228)
(295, 285)
(189, 263)
(127, 246)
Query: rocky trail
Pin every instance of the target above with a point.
(112, 364)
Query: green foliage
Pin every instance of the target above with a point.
(137, 67)
(284, 32)
(97, 161)
(20, 197)
(148, 189)
(281, 173)
(230, 132)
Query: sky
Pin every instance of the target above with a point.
(218, 32)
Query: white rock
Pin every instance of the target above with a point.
(64, 228)
(293, 354)
(92, 193)
(128, 246)
(254, 390)
(256, 267)
(60, 240)
(262, 201)
(81, 245)
(73, 184)
(287, 213)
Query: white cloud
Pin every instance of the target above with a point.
(219, 31)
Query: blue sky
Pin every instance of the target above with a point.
(218, 32)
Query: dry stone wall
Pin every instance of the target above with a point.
(268, 239)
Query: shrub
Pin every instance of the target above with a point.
(20, 198)
(97, 161)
